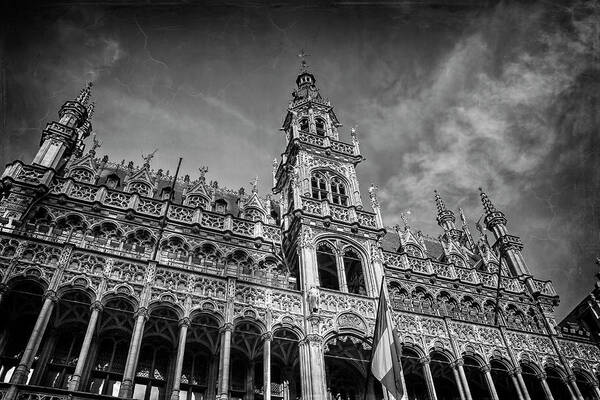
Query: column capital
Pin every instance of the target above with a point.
(227, 327)
(424, 360)
(516, 371)
(267, 336)
(141, 312)
(542, 376)
(595, 384)
(570, 378)
(185, 321)
(312, 338)
(485, 368)
(97, 305)
(51, 295)
(3, 288)
(457, 363)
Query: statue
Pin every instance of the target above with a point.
(313, 299)
(147, 158)
(203, 171)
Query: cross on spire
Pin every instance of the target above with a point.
(303, 64)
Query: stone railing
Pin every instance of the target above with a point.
(348, 215)
(157, 208)
(327, 142)
(467, 275)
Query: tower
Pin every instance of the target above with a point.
(329, 239)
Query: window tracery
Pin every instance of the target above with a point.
(141, 188)
(142, 239)
(253, 214)
(332, 263)
(175, 246)
(241, 260)
(196, 200)
(206, 253)
(71, 223)
(328, 186)
(82, 175)
(304, 125)
(106, 231)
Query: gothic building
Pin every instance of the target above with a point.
(120, 281)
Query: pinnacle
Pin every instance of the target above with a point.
(439, 203)
(85, 94)
(487, 204)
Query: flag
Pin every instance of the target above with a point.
(385, 359)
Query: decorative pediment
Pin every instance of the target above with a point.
(410, 243)
(84, 169)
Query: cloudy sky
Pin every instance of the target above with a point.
(504, 96)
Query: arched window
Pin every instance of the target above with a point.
(241, 260)
(323, 183)
(141, 239)
(221, 206)
(207, 253)
(338, 192)
(320, 125)
(328, 273)
(318, 184)
(355, 279)
(112, 181)
(304, 125)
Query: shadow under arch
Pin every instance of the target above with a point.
(347, 370)
(473, 364)
(444, 377)
(531, 376)
(414, 375)
(584, 381)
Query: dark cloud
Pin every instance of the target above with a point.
(504, 97)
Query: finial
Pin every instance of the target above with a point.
(203, 170)
(462, 216)
(303, 63)
(487, 204)
(147, 158)
(254, 183)
(404, 217)
(95, 144)
(373, 195)
(439, 203)
(479, 226)
(90, 110)
(84, 96)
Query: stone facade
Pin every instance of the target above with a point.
(121, 281)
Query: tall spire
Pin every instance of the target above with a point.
(487, 203)
(445, 218)
(85, 94)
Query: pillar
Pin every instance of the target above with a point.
(341, 270)
(223, 392)
(573, 384)
(35, 339)
(183, 328)
(304, 369)
(250, 372)
(570, 387)
(126, 389)
(485, 370)
(463, 378)
(43, 356)
(516, 384)
(424, 361)
(522, 384)
(267, 338)
(459, 385)
(316, 367)
(547, 393)
(3, 290)
(596, 389)
(96, 308)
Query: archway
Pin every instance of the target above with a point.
(347, 369)
(19, 310)
(201, 359)
(443, 376)
(532, 382)
(416, 386)
(502, 380)
(584, 384)
(558, 385)
(110, 348)
(476, 378)
(285, 365)
(246, 378)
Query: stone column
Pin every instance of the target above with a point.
(424, 361)
(524, 391)
(304, 369)
(316, 367)
(459, 385)
(96, 308)
(596, 390)
(250, 381)
(22, 371)
(485, 370)
(461, 373)
(573, 384)
(3, 290)
(267, 338)
(547, 393)
(223, 392)
(184, 323)
(341, 270)
(570, 388)
(126, 389)
(515, 381)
